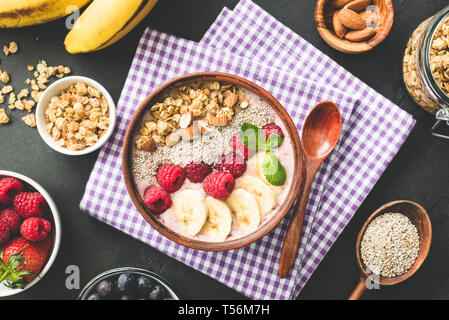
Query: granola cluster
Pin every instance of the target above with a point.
(78, 117)
(186, 111)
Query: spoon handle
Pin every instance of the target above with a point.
(359, 290)
(291, 242)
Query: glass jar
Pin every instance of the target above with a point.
(426, 63)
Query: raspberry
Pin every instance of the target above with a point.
(219, 184)
(232, 163)
(9, 187)
(35, 229)
(4, 234)
(170, 177)
(11, 219)
(239, 147)
(196, 172)
(29, 204)
(271, 128)
(157, 199)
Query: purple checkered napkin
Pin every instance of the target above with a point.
(378, 128)
(251, 270)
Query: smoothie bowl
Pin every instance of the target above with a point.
(212, 161)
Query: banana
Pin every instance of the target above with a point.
(22, 13)
(190, 210)
(105, 22)
(265, 196)
(254, 168)
(245, 209)
(219, 221)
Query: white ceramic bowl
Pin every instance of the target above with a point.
(56, 225)
(54, 90)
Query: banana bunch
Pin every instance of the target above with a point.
(22, 13)
(103, 23)
(249, 202)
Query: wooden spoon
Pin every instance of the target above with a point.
(320, 135)
(420, 219)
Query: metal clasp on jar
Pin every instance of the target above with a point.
(441, 117)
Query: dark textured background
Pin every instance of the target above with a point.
(419, 172)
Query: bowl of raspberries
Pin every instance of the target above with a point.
(29, 232)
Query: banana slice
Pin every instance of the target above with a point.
(254, 168)
(190, 210)
(245, 209)
(219, 221)
(265, 196)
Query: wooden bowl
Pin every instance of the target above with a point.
(324, 26)
(154, 220)
(419, 217)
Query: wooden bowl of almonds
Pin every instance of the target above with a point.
(354, 26)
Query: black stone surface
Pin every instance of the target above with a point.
(419, 172)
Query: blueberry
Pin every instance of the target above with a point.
(126, 283)
(105, 288)
(94, 296)
(157, 293)
(144, 285)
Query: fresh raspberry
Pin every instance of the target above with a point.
(271, 128)
(170, 177)
(11, 219)
(9, 187)
(219, 184)
(239, 147)
(232, 163)
(30, 204)
(4, 234)
(35, 229)
(157, 199)
(196, 172)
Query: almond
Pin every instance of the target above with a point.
(351, 19)
(190, 133)
(185, 120)
(340, 3)
(358, 5)
(217, 121)
(370, 17)
(173, 138)
(231, 100)
(360, 35)
(149, 146)
(339, 29)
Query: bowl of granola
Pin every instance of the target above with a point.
(212, 161)
(75, 116)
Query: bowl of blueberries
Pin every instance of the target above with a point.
(128, 284)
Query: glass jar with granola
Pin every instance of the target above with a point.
(426, 63)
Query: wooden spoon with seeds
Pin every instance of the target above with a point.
(419, 217)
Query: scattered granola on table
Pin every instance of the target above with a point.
(78, 117)
(11, 49)
(30, 120)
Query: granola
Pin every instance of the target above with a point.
(3, 116)
(78, 117)
(185, 111)
(439, 65)
(30, 120)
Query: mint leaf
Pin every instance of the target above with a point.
(274, 140)
(252, 137)
(273, 170)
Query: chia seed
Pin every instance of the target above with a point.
(390, 245)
